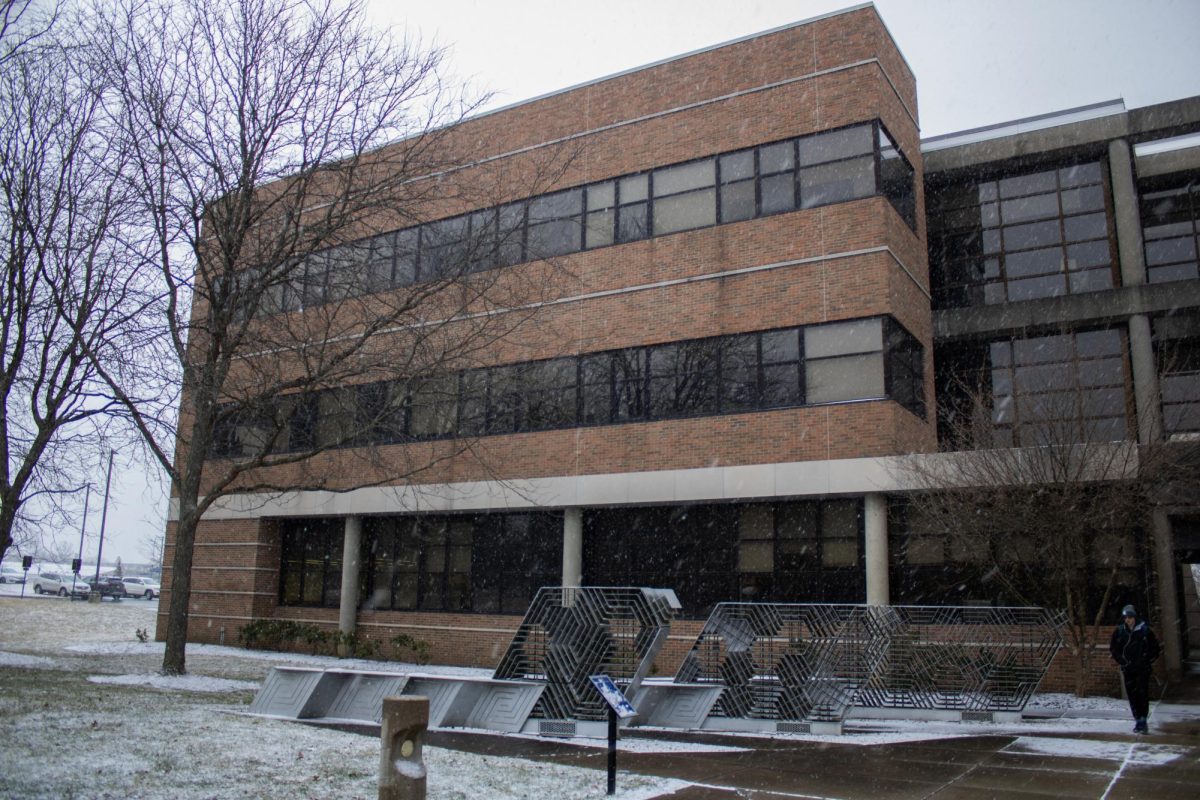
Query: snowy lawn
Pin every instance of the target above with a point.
(84, 715)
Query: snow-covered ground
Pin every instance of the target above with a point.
(84, 714)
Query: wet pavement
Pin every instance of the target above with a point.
(1080, 757)
(1077, 753)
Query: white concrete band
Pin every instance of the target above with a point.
(797, 479)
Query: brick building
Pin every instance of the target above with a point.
(739, 345)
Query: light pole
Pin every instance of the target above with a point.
(95, 596)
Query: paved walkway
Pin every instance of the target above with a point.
(1076, 756)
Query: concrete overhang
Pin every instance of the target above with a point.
(1168, 163)
(745, 483)
(1076, 130)
(1046, 313)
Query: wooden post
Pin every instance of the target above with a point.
(401, 766)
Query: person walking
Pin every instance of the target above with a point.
(1134, 648)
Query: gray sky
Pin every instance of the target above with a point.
(977, 63)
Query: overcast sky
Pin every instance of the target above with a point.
(977, 62)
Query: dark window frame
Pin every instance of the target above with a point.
(450, 563)
(468, 403)
(1155, 191)
(972, 261)
(301, 541)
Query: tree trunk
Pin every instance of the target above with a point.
(1083, 667)
(174, 661)
(8, 518)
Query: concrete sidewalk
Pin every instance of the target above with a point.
(1062, 756)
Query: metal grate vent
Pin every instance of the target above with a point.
(556, 727)
(978, 716)
(793, 727)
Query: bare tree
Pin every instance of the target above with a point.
(1055, 518)
(272, 143)
(23, 25)
(153, 546)
(59, 221)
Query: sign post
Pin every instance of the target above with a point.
(26, 563)
(618, 707)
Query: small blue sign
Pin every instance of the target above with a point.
(613, 696)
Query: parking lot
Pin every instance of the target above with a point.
(61, 591)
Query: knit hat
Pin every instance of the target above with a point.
(1128, 611)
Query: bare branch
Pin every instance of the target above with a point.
(269, 143)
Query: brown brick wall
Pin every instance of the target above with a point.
(802, 51)
(235, 577)
(852, 430)
(1104, 679)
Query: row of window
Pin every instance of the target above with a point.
(856, 360)
(1171, 228)
(1042, 390)
(830, 167)
(809, 551)
(1071, 387)
(938, 567)
(1177, 347)
(1020, 237)
(490, 563)
(785, 552)
(1057, 389)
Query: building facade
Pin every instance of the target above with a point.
(765, 278)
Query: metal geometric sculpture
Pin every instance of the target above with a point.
(343, 695)
(813, 662)
(570, 633)
(475, 703)
(755, 666)
(965, 658)
(288, 692)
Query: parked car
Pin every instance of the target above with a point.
(60, 583)
(109, 586)
(142, 587)
(10, 574)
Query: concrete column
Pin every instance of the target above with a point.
(351, 552)
(1133, 273)
(1146, 394)
(875, 523)
(572, 563)
(1126, 213)
(1145, 388)
(1168, 577)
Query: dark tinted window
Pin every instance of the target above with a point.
(1000, 239)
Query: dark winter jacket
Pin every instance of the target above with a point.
(1134, 650)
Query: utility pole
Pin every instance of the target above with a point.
(95, 596)
(87, 493)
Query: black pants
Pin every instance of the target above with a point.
(1137, 689)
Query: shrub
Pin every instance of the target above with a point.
(315, 638)
(351, 645)
(419, 648)
(282, 634)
